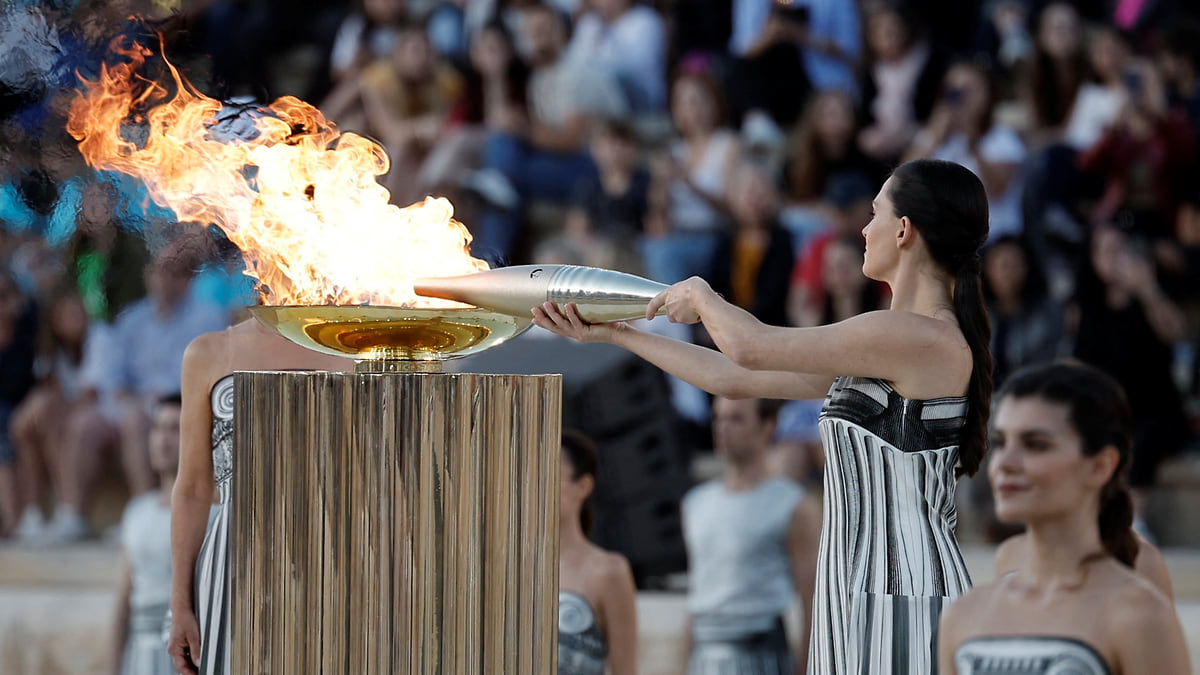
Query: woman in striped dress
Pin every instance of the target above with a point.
(199, 634)
(907, 397)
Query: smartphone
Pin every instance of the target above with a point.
(954, 96)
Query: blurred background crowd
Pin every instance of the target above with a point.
(739, 140)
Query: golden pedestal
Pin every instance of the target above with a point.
(399, 523)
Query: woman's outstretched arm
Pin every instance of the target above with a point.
(705, 368)
(918, 353)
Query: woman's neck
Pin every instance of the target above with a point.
(570, 532)
(921, 291)
(1057, 549)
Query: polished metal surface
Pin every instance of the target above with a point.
(601, 295)
(395, 523)
(379, 337)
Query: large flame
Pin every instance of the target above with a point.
(300, 199)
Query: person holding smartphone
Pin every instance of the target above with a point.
(961, 129)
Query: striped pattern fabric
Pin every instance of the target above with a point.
(888, 562)
(212, 563)
(1028, 655)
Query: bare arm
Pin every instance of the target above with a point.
(705, 368)
(620, 614)
(917, 353)
(804, 539)
(191, 499)
(121, 617)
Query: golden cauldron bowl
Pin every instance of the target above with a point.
(392, 339)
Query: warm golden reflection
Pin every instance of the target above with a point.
(373, 333)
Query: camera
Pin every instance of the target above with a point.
(954, 96)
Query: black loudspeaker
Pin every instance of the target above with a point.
(623, 404)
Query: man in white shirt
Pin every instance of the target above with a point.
(752, 541)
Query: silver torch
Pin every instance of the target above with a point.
(601, 295)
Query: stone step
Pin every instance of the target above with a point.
(56, 609)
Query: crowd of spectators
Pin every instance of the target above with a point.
(738, 140)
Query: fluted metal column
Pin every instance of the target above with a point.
(395, 523)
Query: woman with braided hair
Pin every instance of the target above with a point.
(907, 395)
(1072, 599)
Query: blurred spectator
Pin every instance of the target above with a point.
(1139, 156)
(903, 75)
(824, 145)
(629, 42)
(104, 259)
(369, 33)
(752, 542)
(547, 158)
(1027, 322)
(37, 425)
(1125, 325)
(1003, 39)
(848, 198)
(1098, 101)
(688, 208)
(1054, 73)
(493, 101)
(144, 590)
(404, 101)
(753, 262)
(797, 453)
(127, 368)
(18, 326)
(847, 291)
(765, 45)
(608, 209)
(1179, 63)
(961, 129)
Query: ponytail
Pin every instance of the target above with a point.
(948, 206)
(1116, 521)
(977, 330)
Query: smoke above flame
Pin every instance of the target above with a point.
(298, 197)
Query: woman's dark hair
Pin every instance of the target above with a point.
(580, 452)
(1052, 86)
(1100, 414)
(948, 206)
(1035, 288)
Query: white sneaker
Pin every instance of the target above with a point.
(68, 526)
(31, 526)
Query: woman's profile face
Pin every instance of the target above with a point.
(880, 235)
(1108, 250)
(1036, 463)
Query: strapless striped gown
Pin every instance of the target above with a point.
(889, 562)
